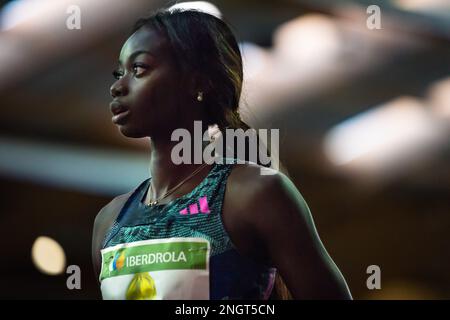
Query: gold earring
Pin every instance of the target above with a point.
(200, 96)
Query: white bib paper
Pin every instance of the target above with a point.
(159, 269)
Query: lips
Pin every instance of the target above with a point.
(116, 107)
(119, 111)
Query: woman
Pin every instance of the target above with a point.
(200, 231)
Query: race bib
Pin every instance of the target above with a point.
(159, 269)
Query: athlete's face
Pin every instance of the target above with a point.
(148, 89)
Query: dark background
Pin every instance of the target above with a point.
(311, 67)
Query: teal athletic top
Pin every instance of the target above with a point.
(180, 250)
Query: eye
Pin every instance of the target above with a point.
(139, 68)
(117, 74)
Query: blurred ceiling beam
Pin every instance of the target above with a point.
(402, 16)
(96, 171)
(41, 37)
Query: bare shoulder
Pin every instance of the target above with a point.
(106, 216)
(254, 202)
(254, 186)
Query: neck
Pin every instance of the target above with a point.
(165, 174)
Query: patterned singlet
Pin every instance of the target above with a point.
(179, 250)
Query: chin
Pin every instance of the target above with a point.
(130, 132)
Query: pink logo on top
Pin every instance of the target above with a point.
(193, 208)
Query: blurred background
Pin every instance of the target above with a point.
(363, 108)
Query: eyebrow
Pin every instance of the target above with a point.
(136, 53)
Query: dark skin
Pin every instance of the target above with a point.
(265, 215)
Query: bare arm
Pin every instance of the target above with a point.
(103, 222)
(284, 224)
(97, 236)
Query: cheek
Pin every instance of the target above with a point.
(158, 92)
(156, 102)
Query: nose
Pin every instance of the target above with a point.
(117, 90)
